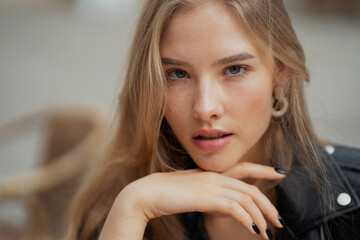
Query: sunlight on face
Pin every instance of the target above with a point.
(220, 87)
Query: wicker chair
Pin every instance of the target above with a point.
(72, 134)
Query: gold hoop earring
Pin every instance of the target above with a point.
(280, 102)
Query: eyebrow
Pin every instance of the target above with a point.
(169, 61)
(235, 58)
(226, 60)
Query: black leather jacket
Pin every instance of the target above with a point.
(301, 207)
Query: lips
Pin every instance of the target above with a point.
(210, 140)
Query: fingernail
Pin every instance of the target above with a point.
(282, 220)
(281, 171)
(269, 233)
(256, 229)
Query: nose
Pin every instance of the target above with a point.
(207, 105)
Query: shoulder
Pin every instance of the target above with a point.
(306, 209)
(346, 157)
(346, 160)
(347, 204)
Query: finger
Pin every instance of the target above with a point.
(251, 170)
(247, 203)
(228, 207)
(264, 204)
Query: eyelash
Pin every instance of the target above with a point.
(244, 71)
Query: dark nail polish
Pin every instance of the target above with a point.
(269, 233)
(282, 221)
(281, 171)
(256, 229)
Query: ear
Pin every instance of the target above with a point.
(280, 74)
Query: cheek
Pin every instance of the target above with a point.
(170, 115)
(172, 119)
(176, 112)
(174, 108)
(256, 103)
(178, 99)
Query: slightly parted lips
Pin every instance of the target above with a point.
(211, 137)
(211, 134)
(211, 140)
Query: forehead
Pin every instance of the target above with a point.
(211, 27)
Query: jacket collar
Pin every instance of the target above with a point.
(300, 203)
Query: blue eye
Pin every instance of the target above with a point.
(234, 70)
(177, 74)
(237, 71)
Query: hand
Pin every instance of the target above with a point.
(169, 193)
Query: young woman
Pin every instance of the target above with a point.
(212, 139)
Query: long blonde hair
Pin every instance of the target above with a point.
(142, 143)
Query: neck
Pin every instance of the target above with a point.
(258, 155)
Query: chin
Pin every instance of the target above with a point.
(213, 164)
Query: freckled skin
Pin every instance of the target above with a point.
(208, 98)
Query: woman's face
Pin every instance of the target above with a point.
(220, 87)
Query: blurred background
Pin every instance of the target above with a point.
(73, 52)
